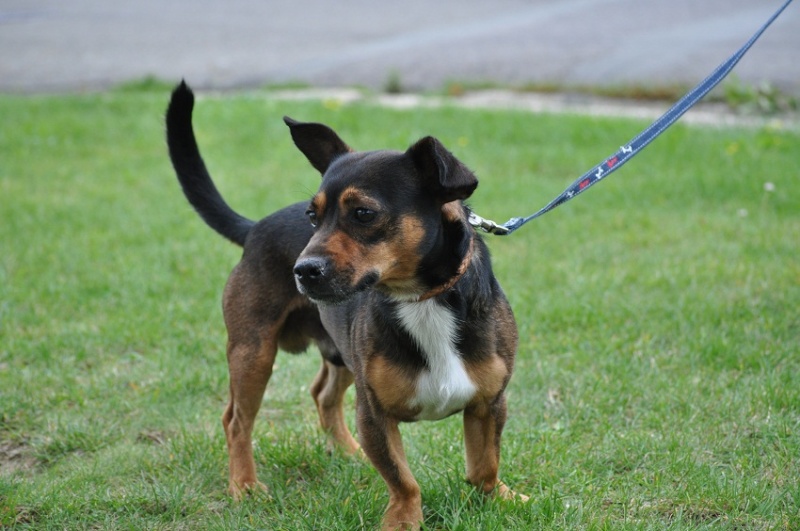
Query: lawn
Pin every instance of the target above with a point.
(657, 381)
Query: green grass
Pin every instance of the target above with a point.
(657, 376)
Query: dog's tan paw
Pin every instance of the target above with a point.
(403, 512)
(504, 493)
(238, 491)
(410, 521)
(347, 448)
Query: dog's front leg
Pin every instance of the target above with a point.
(381, 441)
(483, 428)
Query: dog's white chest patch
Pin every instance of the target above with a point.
(445, 387)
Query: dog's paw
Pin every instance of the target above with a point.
(502, 492)
(343, 446)
(403, 517)
(239, 490)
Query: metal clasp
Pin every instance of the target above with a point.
(486, 225)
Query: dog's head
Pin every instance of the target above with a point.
(384, 219)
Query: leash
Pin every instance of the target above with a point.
(632, 148)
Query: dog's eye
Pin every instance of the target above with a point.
(312, 217)
(364, 215)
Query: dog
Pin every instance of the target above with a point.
(384, 274)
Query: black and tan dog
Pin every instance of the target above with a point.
(383, 272)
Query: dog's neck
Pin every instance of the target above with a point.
(462, 268)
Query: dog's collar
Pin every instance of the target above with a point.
(462, 268)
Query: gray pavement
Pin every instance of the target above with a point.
(76, 45)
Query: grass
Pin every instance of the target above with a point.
(656, 382)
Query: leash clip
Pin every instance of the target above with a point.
(487, 225)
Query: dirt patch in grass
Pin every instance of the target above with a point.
(15, 457)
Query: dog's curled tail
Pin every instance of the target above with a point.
(195, 180)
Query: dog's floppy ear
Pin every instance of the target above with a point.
(445, 175)
(319, 143)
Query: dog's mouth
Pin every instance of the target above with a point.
(324, 287)
(325, 297)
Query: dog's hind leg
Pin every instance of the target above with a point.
(328, 391)
(250, 366)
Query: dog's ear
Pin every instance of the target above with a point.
(445, 175)
(319, 143)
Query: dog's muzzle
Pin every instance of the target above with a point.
(314, 279)
(317, 278)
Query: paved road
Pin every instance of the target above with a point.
(89, 44)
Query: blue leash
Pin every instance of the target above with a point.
(627, 152)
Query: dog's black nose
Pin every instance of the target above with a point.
(310, 270)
